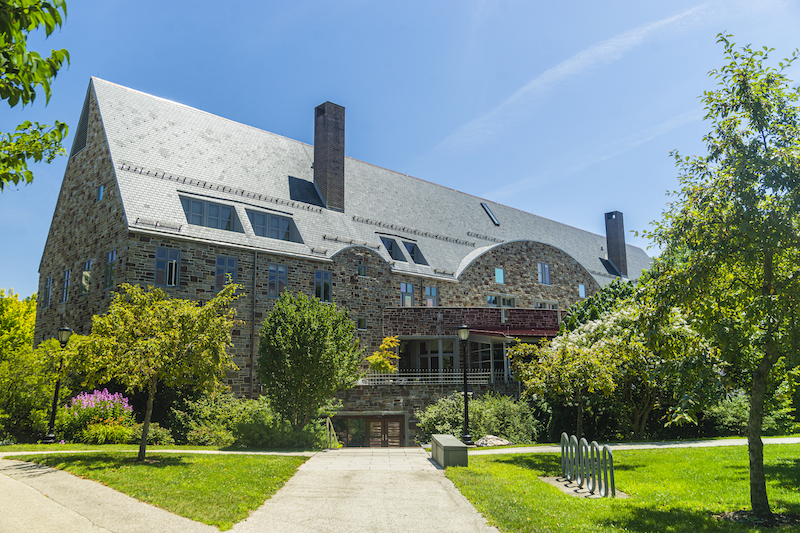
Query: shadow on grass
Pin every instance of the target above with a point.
(547, 464)
(103, 461)
(647, 520)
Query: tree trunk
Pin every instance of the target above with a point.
(151, 394)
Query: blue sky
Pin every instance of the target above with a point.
(562, 109)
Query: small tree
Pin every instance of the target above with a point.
(385, 358)
(308, 352)
(736, 221)
(147, 338)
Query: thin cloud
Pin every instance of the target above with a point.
(482, 128)
(602, 153)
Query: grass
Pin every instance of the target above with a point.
(219, 490)
(671, 490)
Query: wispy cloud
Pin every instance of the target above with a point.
(483, 128)
(600, 154)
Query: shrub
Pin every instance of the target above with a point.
(106, 434)
(156, 435)
(95, 408)
(491, 414)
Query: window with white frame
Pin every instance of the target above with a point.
(211, 214)
(86, 277)
(499, 276)
(406, 295)
(544, 273)
(111, 261)
(277, 278)
(225, 271)
(500, 300)
(167, 271)
(323, 287)
(431, 297)
(48, 287)
(581, 291)
(362, 270)
(65, 286)
(538, 304)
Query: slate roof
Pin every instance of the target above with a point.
(161, 149)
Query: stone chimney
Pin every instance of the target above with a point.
(329, 154)
(615, 241)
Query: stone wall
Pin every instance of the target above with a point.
(408, 399)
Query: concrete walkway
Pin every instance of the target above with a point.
(345, 490)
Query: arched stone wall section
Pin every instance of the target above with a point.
(520, 263)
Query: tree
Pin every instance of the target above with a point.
(22, 71)
(596, 305)
(147, 338)
(563, 370)
(737, 216)
(385, 358)
(308, 351)
(17, 320)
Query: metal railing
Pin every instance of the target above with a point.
(426, 377)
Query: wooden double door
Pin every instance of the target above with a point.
(385, 431)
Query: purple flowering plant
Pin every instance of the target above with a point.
(97, 407)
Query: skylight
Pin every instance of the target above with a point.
(416, 255)
(394, 251)
(491, 215)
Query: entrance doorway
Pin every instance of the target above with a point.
(375, 431)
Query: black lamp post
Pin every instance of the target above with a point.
(63, 337)
(463, 335)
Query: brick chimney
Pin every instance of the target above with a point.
(329, 154)
(615, 240)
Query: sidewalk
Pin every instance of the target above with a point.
(345, 490)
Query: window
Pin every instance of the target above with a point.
(416, 255)
(431, 297)
(111, 259)
(273, 226)
(544, 273)
(99, 193)
(86, 277)
(225, 266)
(581, 291)
(362, 270)
(499, 276)
(168, 262)
(545, 305)
(323, 286)
(498, 300)
(65, 286)
(491, 215)
(276, 280)
(394, 251)
(211, 215)
(362, 323)
(406, 295)
(48, 286)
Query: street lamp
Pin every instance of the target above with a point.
(63, 337)
(463, 335)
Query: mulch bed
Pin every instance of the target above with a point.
(747, 517)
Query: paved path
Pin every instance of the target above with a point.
(346, 490)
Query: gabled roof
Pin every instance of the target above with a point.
(162, 150)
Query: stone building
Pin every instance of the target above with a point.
(158, 193)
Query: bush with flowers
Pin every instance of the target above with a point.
(97, 417)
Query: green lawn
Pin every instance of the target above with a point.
(671, 490)
(215, 489)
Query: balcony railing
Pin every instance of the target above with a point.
(427, 377)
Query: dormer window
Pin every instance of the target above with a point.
(394, 250)
(274, 226)
(416, 255)
(211, 215)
